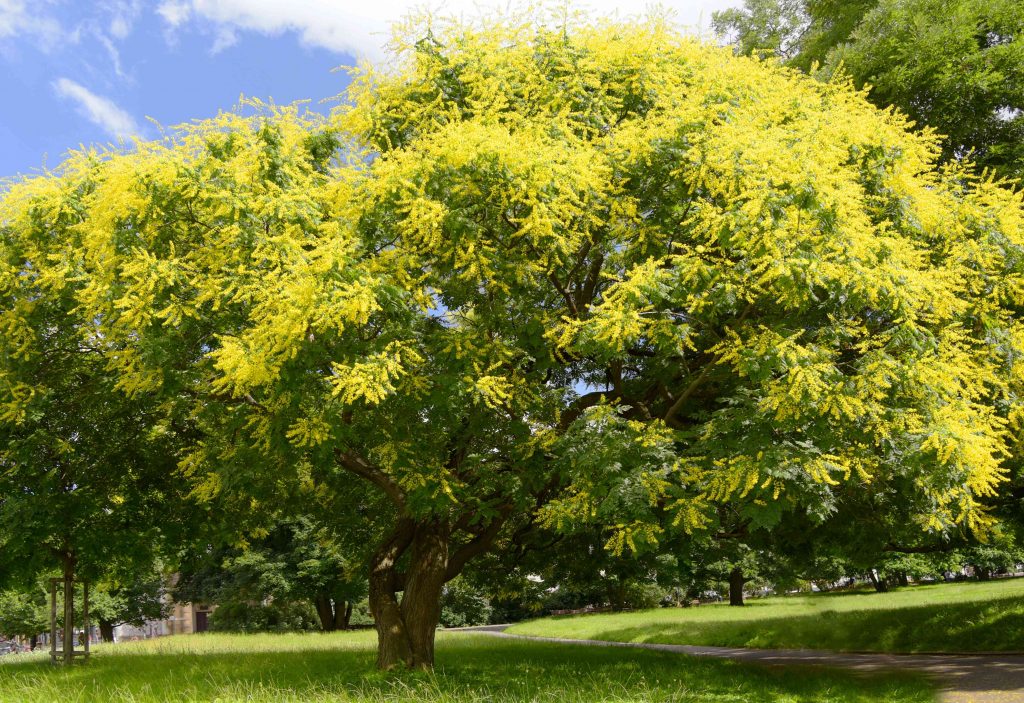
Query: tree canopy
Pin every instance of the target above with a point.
(537, 275)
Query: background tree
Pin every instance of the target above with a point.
(23, 614)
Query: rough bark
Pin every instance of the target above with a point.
(106, 630)
(903, 579)
(406, 627)
(736, 582)
(879, 583)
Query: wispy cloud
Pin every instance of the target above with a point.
(17, 20)
(97, 109)
(362, 28)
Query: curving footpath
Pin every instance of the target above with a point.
(965, 678)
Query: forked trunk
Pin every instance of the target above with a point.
(333, 614)
(406, 627)
(106, 630)
(736, 582)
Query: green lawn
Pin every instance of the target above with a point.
(959, 617)
(477, 668)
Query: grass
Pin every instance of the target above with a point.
(471, 669)
(961, 617)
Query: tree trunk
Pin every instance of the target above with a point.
(342, 614)
(903, 579)
(325, 612)
(879, 583)
(32, 642)
(406, 628)
(106, 630)
(736, 582)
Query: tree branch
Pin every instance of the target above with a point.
(355, 464)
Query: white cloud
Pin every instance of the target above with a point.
(361, 27)
(174, 12)
(226, 38)
(123, 14)
(17, 21)
(97, 109)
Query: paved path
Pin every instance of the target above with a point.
(975, 678)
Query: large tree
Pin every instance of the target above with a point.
(554, 275)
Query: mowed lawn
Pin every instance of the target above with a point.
(471, 668)
(957, 617)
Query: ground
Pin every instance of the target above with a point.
(961, 617)
(471, 669)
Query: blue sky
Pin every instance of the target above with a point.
(78, 72)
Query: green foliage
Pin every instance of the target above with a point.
(272, 616)
(22, 614)
(462, 605)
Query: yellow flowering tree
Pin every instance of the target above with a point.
(547, 274)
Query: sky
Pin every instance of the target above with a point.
(79, 72)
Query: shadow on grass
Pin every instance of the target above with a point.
(470, 669)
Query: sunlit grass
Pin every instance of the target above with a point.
(976, 617)
(472, 668)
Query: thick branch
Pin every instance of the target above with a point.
(476, 546)
(355, 464)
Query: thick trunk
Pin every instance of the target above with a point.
(33, 641)
(903, 579)
(879, 583)
(406, 628)
(106, 630)
(736, 582)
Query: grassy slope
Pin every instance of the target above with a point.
(320, 668)
(944, 617)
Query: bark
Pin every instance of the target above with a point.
(325, 611)
(106, 630)
(333, 614)
(406, 628)
(342, 614)
(902, 578)
(736, 582)
(33, 641)
(879, 583)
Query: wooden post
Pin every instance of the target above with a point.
(69, 621)
(85, 616)
(53, 621)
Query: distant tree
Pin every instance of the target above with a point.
(23, 614)
(128, 601)
(296, 561)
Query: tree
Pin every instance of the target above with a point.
(957, 67)
(295, 561)
(760, 284)
(128, 601)
(23, 614)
